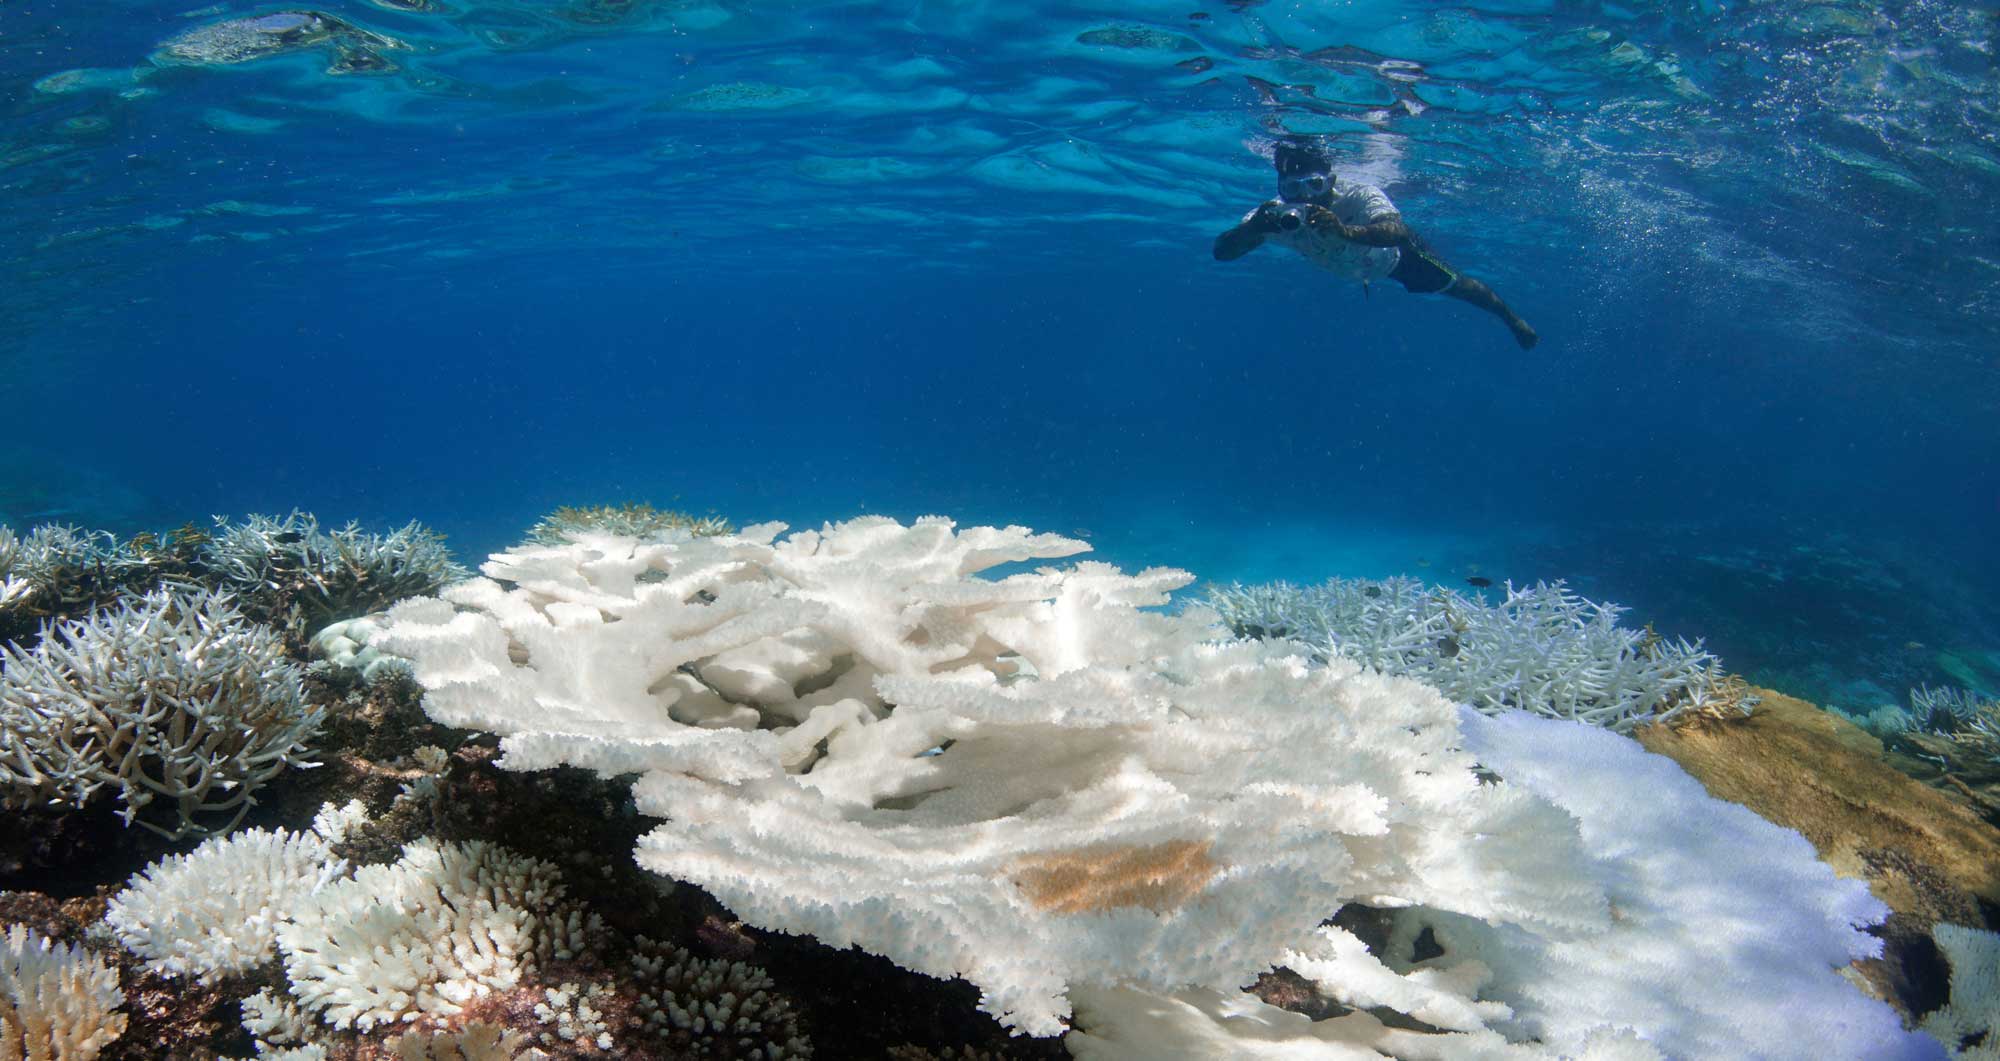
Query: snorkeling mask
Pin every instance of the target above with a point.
(1304, 187)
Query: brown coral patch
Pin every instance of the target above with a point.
(1922, 853)
(1159, 877)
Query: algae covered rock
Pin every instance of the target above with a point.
(1924, 853)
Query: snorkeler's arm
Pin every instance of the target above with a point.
(1386, 231)
(1248, 235)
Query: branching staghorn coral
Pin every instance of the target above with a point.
(1543, 649)
(633, 520)
(1970, 1022)
(59, 571)
(287, 572)
(1956, 731)
(1949, 709)
(170, 697)
(296, 576)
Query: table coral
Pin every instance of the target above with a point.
(1037, 782)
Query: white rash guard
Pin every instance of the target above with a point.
(1353, 204)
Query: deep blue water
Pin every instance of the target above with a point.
(803, 261)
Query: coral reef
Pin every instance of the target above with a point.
(1924, 854)
(287, 572)
(1041, 795)
(60, 571)
(1038, 784)
(57, 1003)
(464, 947)
(296, 576)
(170, 697)
(1948, 737)
(631, 520)
(1543, 649)
(345, 645)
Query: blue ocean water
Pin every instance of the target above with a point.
(464, 261)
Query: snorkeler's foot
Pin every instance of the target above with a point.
(1523, 334)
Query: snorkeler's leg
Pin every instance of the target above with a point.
(1478, 294)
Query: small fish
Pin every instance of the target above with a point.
(1448, 645)
(1372, 591)
(1479, 581)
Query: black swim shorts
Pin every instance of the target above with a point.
(1421, 272)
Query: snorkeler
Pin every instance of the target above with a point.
(1354, 230)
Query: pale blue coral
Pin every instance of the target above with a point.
(1542, 649)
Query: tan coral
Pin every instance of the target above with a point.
(1159, 877)
(57, 1003)
(475, 1042)
(1922, 852)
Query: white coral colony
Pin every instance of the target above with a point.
(1027, 781)
(57, 1002)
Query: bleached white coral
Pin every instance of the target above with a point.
(345, 645)
(1542, 649)
(1719, 914)
(441, 926)
(14, 586)
(215, 911)
(1969, 1024)
(1031, 782)
(570, 1011)
(1694, 963)
(275, 1021)
(333, 823)
(57, 1003)
(172, 696)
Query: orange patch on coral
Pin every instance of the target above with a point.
(1159, 877)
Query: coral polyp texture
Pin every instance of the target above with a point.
(1046, 786)
(1542, 649)
(57, 1003)
(170, 698)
